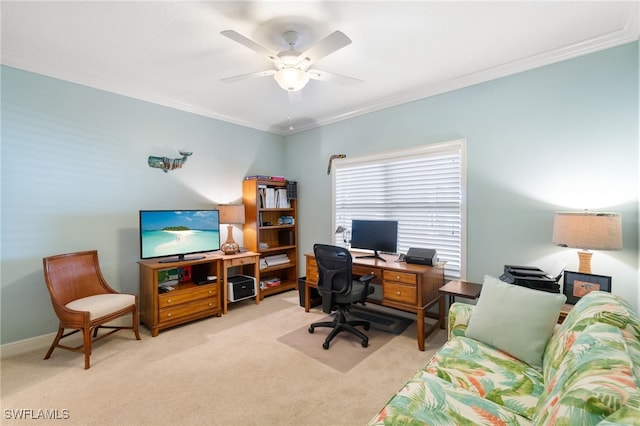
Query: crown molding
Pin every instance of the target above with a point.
(629, 32)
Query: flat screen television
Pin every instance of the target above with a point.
(376, 235)
(174, 234)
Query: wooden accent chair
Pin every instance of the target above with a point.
(83, 301)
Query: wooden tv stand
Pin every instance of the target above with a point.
(407, 287)
(189, 301)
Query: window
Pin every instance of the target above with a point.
(422, 188)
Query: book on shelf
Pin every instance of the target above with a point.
(269, 198)
(273, 260)
(270, 282)
(272, 198)
(282, 201)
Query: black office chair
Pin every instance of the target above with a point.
(339, 291)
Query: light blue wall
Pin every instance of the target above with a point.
(75, 174)
(560, 137)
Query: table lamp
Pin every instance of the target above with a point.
(344, 231)
(231, 214)
(587, 231)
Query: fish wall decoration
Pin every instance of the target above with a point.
(166, 163)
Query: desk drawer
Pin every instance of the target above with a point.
(182, 296)
(241, 261)
(360, 271)
(401, 277)
(400, 293)
(173, 312)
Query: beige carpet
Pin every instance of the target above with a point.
(346, 350)
(218, 371)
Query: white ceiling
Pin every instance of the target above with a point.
(172, 53)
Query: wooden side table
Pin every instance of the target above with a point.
(252, 262)
(461, 289)
(566, 308)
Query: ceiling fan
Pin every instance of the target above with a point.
(291, 68)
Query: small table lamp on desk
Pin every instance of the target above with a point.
(231, 214)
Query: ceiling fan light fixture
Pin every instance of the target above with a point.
(291, 79)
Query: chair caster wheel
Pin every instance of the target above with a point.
(366, 327)
(311, 329)
(365, 343)
(325, 345)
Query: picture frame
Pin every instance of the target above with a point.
(577, 285)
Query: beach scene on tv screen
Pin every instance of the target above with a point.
(166, 233)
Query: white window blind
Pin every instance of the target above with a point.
(422, 188)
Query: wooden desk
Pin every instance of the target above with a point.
(399, 285)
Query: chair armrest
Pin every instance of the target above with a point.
(459, 315)
(366, 279)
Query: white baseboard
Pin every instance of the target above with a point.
(43, 342)
(27, 345)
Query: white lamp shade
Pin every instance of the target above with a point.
(588, 230)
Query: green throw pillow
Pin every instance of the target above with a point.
(517, 320)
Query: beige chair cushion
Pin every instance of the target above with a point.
(102, 304)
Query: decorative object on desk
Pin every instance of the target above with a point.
(166, 163)
(587, 231)
(577, 285)
(231, 214)
(333, 157)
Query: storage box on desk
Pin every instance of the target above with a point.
(315, 298)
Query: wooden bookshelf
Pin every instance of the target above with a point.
(271, 229)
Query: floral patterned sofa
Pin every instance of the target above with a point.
(590, 375)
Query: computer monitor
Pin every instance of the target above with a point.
(376, 235)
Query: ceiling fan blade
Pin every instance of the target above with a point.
(239, 38)
(334, 78)
(248, 76)
(334, 41)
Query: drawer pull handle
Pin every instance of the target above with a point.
(169, 300)
(398, 293)
(210, 291)
(397, 277)
(210, 304)
(169, 314)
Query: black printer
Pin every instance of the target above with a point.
(421, 256)
(531, 277)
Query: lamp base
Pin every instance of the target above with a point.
(230, 246)
(585, 261)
